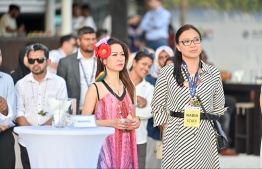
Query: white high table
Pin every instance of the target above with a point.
(50, 147)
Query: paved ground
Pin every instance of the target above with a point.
(240, 161)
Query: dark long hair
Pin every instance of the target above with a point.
(178, 54)
(21, 70)
(123, 74)
(140, 55)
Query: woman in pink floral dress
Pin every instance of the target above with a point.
(111, 98)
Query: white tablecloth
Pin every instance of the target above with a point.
(63, 147)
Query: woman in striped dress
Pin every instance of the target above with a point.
(179, 86)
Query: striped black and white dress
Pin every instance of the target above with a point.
(188, 147)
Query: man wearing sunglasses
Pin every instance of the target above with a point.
(7, 113)
(79, 69)
(33, 92)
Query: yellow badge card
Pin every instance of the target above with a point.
(192, 117)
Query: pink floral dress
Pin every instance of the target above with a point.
(119, 150)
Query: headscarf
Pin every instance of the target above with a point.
(21, 70)
(157, 67)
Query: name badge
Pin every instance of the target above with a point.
(192, 116)
(84, 120)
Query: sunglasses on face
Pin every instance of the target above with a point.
(39, 60)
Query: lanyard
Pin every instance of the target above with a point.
(192, 83)
(85, 74)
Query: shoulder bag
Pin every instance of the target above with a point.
(220, 134)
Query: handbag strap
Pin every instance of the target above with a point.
(206, 113)
(203, 108)
(161, 135)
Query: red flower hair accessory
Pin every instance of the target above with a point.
(96, 49)
(102, 49)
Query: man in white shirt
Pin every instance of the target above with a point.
(8, 27)
(88, 19)
(77, 17)
(33, 93)
(79, 69)
(67, 47)
(7, 113)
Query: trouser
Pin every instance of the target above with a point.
(7, 150)
(24, 157)
(151, 161)
(141, 151)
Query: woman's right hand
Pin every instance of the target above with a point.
(116, 123)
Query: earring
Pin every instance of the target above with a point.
(105, 69)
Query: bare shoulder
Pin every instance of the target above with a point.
(101, 89)
(92, 87)
(98, 85)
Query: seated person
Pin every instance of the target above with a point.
(33, 92)
(7, 113)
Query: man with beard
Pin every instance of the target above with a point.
(33, 92)
(79, 69)
(8, 26)
(7, 113)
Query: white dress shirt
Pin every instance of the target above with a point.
(88, 21)
(7, 92)
(89, 67)
(32, 97)
(76, 21)
(55, 55)
(7, 21)
(145, 90)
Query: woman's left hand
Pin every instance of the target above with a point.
(141, 102)
(135, 124)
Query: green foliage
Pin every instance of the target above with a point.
(220, 5)
(42, 113)
(196, 103)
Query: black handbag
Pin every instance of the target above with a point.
(222, 141)
(221, 136)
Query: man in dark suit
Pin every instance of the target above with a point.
(79, 69)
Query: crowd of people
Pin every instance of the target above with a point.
(142, 89)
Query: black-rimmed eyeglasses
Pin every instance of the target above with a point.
(188, 42)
